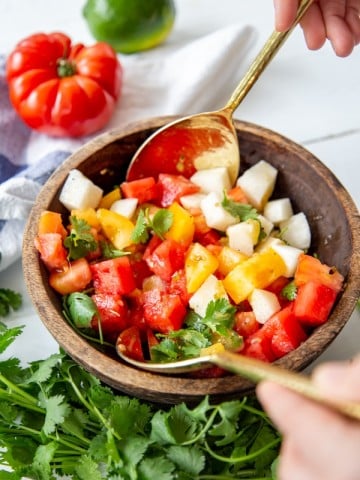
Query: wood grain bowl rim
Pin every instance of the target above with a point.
(162, 388)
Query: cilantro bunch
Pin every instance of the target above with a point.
(56, 419)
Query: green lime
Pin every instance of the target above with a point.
(130, 25)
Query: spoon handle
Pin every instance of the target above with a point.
(266, 54)
(256, 371)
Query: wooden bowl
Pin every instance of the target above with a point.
(313, 189)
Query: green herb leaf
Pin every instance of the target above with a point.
(158, 225)
(81, 241)
(81, 308)
(9, 300)
(8, 335)
(109, 251)
(242, 211)
(161, 222)
(289, 291)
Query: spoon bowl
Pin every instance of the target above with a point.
(205, 140)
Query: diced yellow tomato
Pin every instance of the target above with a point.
(108, 199)
(117, 228)
(199, 264)
(74, 278)
(51, 222)
(258, 271)
(183, 227)
(88, 215)
(229, 258)
(212, 349)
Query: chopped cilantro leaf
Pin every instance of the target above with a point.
(81, 241)
(109, 251)
(159, 224)
(242, 211)
(289, 291)
(201, 332)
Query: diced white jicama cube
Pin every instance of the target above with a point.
(212, 180)
(264, 304)
(79, 192)
(269, 242)
(290, 256)
(215, 215)
(192, 201)
(243, 236)
(278, 210)
(125, 207)
(212, 289)
(296, 231)
(258, 183)
(266, 225)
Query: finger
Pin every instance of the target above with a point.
(314, 27)
(285, 14)
(353, 20)
(340, 380)
(337, 29)
(295, 414)
(292, 463)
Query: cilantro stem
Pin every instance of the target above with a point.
(14, 388)
(14, 398)
(90, 406)
(243, 458)
(204, 429)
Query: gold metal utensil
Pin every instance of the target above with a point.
(205, 140)
(251, 369)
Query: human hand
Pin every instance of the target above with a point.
(335, 20)
(317, 442)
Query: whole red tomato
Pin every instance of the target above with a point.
(62, 89)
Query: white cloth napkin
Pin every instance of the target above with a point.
(193, 77)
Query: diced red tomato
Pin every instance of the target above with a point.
(246, 324)
(311, 269)
(212, 237)
(284, 331)
(136, 310)
(177, 286)
(51, 249)
(140, 270)
(163, 312)
(166, 259)
(75, 277)
(113, 276)
(313, 303)
(144, 189)
(172, 187)
(258, 345)
(129, 341)
(114, 314)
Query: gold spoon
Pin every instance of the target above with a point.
(252, 369)
(209, 139)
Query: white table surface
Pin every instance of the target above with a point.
(311, 97)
